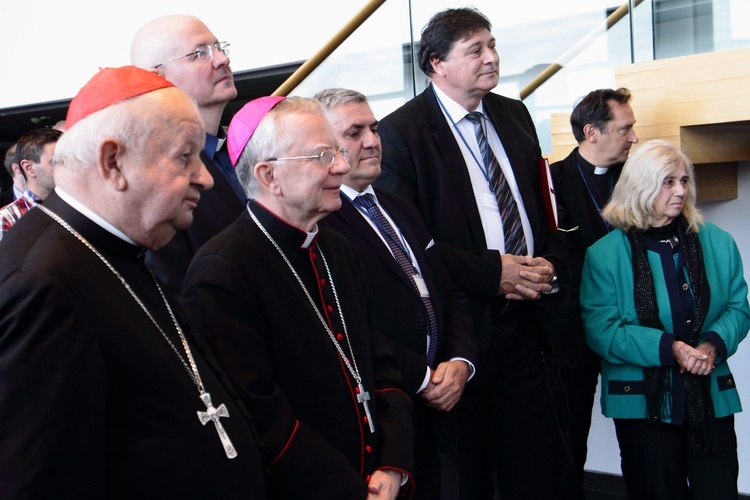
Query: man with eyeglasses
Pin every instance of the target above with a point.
(290, 312)
(184, 51)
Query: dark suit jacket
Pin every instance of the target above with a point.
(218, 207)
(94, 402)
(7, 197)
(575, 209)
(423, 163)
(399, 310)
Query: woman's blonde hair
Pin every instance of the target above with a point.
(634, 197)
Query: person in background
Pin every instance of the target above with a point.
(468, 160)
(664, 304)
(106, 391)
(291, 316)
(34, 152)
(18, 183)
(184, 51)
(602, 123)
(424, 316)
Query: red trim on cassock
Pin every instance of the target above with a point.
(288, 443)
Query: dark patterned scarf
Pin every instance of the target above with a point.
(699, 405)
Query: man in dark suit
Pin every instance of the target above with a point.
(474, 177)
(292, 316)
(106, 391)
(602, 123)
(416, 306)
(184, 51)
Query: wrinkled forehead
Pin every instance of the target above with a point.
(308, 127)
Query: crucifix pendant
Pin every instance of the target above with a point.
(363, 397)
(213, 415)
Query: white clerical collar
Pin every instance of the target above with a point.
(600, 170)
(93, 216)
(220, 142)
(453, 109)
(352, 193)
(310, 237)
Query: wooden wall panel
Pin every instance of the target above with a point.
(700, 102)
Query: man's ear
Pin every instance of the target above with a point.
(591, 132)
(437, 65)
(159, 71)
(265, 173)
(27, 167)
(109, 161)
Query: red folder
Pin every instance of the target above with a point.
(548, 195)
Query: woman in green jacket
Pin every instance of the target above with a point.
(664, 303)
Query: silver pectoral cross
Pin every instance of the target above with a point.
(363, 397)
(213, 415)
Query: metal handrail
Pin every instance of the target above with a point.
(584, 42)
(360, 17)
(311, 64)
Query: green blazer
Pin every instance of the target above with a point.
(626, 348)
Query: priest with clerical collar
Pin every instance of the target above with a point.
(290, 312)
(603, 124)
(105, 390)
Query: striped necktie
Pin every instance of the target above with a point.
(367, 202)
(515, 240)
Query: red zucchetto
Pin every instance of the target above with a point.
(110, 86)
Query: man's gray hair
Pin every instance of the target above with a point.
(335, 97)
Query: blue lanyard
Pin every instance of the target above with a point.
(591, 195)
(482, 166)
(397, 239)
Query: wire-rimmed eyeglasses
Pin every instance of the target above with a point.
(202, 53)
(326, 158)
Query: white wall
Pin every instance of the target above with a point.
(732, 216)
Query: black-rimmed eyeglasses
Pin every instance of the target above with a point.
(326, 158)
(202, 53)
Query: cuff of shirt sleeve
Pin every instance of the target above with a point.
(425, 381)
(472, 369)
(555, 284)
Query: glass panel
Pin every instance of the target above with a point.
(377, 59)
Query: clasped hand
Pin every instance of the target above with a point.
(696, 360)
(384, 485)
(524, 277)
(446, 385)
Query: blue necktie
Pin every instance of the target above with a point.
(515, 241)
(367, 202)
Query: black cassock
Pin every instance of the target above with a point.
(264, 330)
(94, 403)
